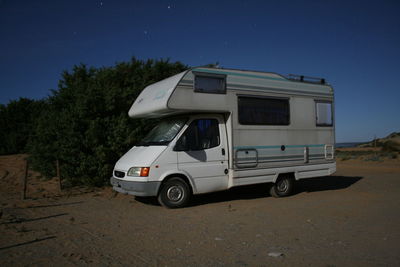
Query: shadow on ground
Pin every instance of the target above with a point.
(325, 183)
(28, 242)
(21, 220)
(262, 190)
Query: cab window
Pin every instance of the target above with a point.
(201, 134)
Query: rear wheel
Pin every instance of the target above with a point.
(283, 186)
(174, 193)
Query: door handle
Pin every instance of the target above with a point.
(223, 151)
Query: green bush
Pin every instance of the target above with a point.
(391, 146)
(17, 121)
(86, 126)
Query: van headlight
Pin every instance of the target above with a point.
(139, 171)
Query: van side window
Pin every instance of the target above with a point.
(210, 84)
(323, 111)
(263, 111)
(201, 134)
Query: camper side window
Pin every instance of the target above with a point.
(323, 113)
(210, 84)
(201, 134)
(263, 111)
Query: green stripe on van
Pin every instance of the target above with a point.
(240, 74)
(269, 147)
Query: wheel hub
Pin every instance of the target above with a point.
(282, 186)
(175, 193)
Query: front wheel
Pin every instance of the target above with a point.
(174, 193)
(283, 186)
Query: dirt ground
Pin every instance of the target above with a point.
(349, 219)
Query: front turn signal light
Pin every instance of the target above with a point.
(144, 171)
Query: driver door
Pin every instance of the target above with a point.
(202, 153)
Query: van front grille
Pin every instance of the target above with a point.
(119, 174)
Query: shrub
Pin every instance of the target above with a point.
(86, 126)
(391, 146)
(17, 121)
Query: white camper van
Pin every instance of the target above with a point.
(222, 128)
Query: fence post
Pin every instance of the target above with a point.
(58, 175)
(25, 180)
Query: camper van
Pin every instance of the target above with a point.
(222, 128)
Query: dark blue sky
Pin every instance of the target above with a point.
(355, 45)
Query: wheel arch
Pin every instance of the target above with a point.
(179, 175)
(283, 174)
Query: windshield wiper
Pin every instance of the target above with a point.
(153, 143)
(142, 144)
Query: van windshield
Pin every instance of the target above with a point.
(163, 132)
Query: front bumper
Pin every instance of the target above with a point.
(142, 189)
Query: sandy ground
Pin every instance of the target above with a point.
(349, 219)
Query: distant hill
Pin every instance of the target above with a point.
(388, 143)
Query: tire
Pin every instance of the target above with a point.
(174, 193)
(283, 186)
